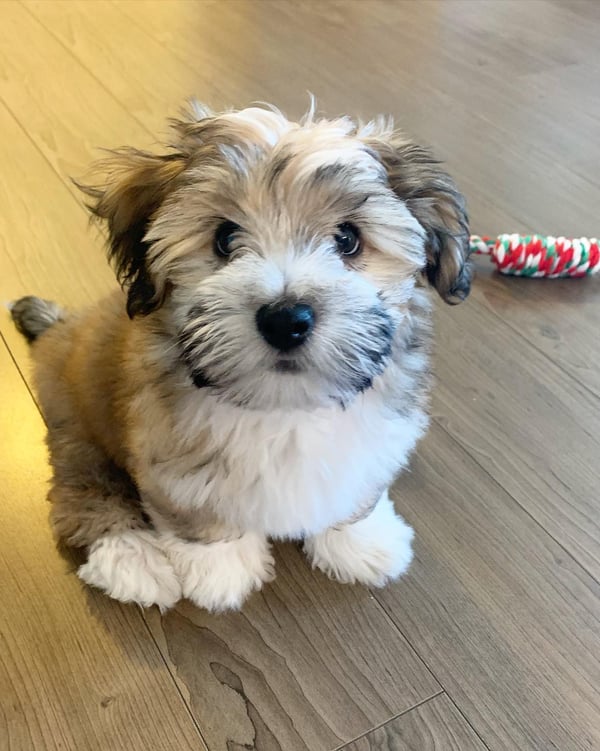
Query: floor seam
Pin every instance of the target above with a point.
(443, 689)
(75, 57)
(23, 377)
(62, 179)
(526, 511)
(174, 680)
(390, 719)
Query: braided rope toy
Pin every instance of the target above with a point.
(536, 255)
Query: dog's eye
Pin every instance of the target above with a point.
(347, 239)
(224, 237)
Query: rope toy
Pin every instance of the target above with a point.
(536, 255)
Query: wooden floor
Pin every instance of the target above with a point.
(492, 641)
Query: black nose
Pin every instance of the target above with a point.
(285, 327)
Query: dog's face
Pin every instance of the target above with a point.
(284, 255)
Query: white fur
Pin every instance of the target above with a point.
(286, 474)
(371, 551)
(130, 567)
(220, 575)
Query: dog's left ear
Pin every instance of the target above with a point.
(434, 200)
(134, 185)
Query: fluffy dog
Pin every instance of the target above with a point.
(263, 373)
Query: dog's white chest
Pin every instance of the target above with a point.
(293, 474)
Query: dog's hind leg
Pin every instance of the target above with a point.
(95, 506)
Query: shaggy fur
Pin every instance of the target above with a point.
(181, 440)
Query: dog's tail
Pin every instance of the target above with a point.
(33, 316)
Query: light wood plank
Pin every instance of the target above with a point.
(507, 621)
(146, 77)
(46, 246)
(308, 664)
(77, 671)
(433, 726)
(67, 111)
(247, 48)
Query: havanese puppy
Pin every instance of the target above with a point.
(264, 374)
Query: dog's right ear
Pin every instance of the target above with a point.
(134, 185)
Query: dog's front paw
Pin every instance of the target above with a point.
(130, 567)
(220, 575)
(371, 551)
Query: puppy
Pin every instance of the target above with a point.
(263, 373)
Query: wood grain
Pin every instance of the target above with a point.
(534, 429)
(77, 671)
(559, 318)
(307, 664)
(425, 53)
(151, 86)
(433, 726)
(46, 245)
(503, 616)
(66, 111)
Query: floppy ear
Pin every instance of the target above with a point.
(135, 185)
(434, 200)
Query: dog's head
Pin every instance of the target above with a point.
(284, 255)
